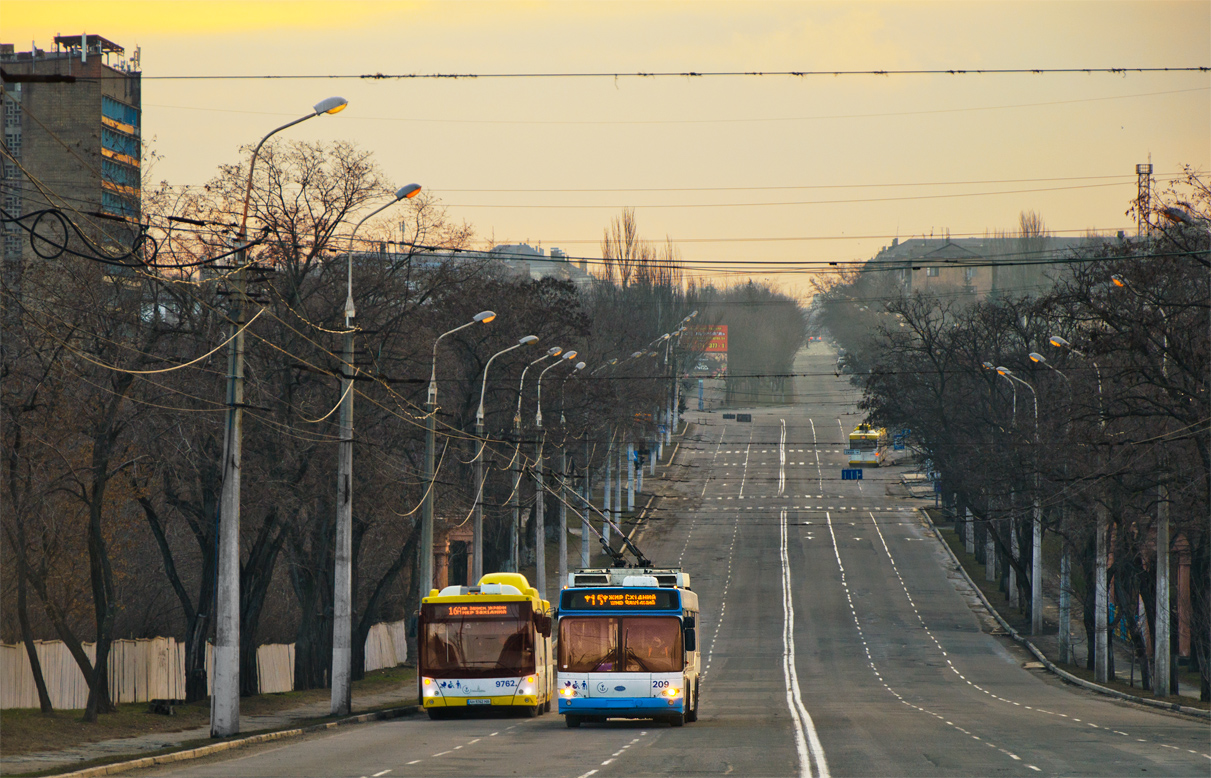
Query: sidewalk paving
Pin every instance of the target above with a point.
(69, 758)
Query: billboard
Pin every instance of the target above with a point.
(710, 339)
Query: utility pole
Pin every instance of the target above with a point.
(630, 477)
(563, 517)
(1160, 677)
(225, 691)
(586, 494)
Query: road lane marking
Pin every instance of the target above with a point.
(384, 772)
(805, 731)
(414, 761)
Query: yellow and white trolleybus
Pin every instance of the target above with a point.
(628, 646)
(487, 645)
(867, 446)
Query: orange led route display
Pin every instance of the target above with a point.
(621, 600)
(478, 610)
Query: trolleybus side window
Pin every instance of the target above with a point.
(652, 645)
(588, 645)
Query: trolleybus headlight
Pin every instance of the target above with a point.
(671, 692)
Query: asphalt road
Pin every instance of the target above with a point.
(836, 639)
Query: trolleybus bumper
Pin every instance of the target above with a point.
(622, 707)
(480, 702)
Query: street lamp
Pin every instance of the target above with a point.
(515, 494)
(563, 485)
(1064, 630)
(1101, 626)
(342, 618)
(225, 688)
(425, 551)
(1036, 530)
(540, 551)
(477, 524)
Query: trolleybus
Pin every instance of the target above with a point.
(627, 646)
(487, 645)
(867, 446)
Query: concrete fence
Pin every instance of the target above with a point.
(154, 669)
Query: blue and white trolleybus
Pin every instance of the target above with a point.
(627, 646)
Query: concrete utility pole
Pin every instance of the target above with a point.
(606, 490)
(586, 493)
(225, 689)
(515, 497)
(1101, 668)
(618, 488)
(1160, 676)
(562, 574)
(477, 522)
(342, 597)
(425, 551)
(540, 530)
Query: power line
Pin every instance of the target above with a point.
(681, 74)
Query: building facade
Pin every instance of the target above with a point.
(72, 136)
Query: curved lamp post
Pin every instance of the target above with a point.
(515, 494)
(342, 598)
(225, 689)
(425, 550)
(1036, 529)
(540, 530)
(563, 487)
(477, 522)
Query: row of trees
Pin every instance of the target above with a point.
(115, 373)
(1123, 410)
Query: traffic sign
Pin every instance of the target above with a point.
(854, 474)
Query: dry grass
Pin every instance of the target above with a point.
(27, 731)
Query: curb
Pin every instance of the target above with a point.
(1172, 707)
(198, 753)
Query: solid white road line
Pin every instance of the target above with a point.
(805, 731)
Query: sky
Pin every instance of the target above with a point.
(765, 175)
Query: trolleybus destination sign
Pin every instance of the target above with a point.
(485, 609)
(609, 600)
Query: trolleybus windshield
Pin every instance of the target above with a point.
(488, 639)
(638, 644)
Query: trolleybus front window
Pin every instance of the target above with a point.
(588, 645)
(487, 646)
(652, 645)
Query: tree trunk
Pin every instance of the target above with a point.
(27, 637)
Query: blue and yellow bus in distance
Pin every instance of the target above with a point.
(485, 646)
(628, 646)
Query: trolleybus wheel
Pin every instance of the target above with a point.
(438, 714)
(572, 720)
(532, 711)
(692, 714)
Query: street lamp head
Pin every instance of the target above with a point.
(1037, 357)
(1059, 342)
(613, 361)
(527, 340)
(570, 355)
(554, 351)
(989, 366)
(407, 192)
(1118, 280)
(1004, 370)
(636, 354)
(331, 105)
(579, 366)
(485, 316)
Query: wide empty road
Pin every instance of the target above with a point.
(836, 641)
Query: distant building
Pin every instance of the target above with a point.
(72, 120)
(979, 267)
(524, 258)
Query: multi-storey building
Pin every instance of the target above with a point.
(71, 140)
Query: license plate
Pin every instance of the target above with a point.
(479, 702)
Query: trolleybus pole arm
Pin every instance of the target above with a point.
(642, 560)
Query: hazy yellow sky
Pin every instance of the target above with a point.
(734, 169)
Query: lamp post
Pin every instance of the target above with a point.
(225, 689)
(342, 598)
(477, 522)
(515, 495)
(425, 552)
(1101, 626)
(1036, 530)
(1064, 628)
(540, 531)
(563, 483)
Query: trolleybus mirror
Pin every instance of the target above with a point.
(688, 622)
(691, 639)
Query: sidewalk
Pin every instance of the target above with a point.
(74, 757)
(1048, 642)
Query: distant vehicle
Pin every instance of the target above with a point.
(867, 446)
(628, 646)
(487, 645)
